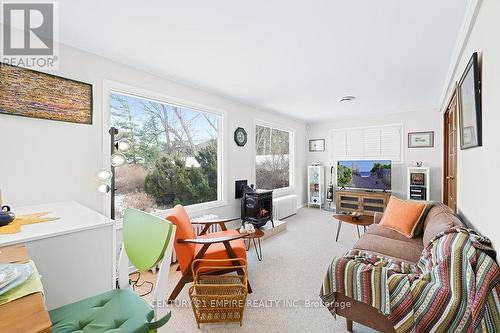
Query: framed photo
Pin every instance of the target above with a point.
(421, 139)
(30, 93)
(469, 104)
(317, 145)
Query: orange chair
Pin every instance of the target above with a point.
(224, 244)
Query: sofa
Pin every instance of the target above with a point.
(386, 242)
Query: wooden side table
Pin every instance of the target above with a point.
(27, 314)
(255, 238)
(363, 220)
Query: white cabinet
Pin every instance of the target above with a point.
(375, 142)
(75, 254)
(315, 186)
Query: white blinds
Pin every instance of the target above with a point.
(382, 142)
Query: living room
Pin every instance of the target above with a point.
(141, 147)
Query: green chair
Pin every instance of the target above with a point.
(147, 241)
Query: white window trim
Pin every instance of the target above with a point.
(110, 86)
(291, 131)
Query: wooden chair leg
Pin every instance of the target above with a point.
(349, 325)
(178, 288)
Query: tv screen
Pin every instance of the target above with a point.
(371, 175)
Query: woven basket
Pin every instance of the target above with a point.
(218, 298)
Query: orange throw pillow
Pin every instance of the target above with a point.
(402, 216)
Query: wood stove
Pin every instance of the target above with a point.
(257, 206)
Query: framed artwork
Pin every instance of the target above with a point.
(317, 145)
(29, 93)
(421, 139)
(469, 104)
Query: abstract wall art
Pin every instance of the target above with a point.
(29, 93)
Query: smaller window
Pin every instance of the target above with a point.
(272, 158)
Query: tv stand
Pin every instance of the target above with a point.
(364, 202)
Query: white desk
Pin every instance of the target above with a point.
(75, 255)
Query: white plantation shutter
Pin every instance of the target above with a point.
(338, 145)
(354, 146)
(377, 142)
(390, 139)
(372, 143)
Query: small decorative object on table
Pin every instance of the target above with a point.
(355, 215)
(218, 298)
(6, 216)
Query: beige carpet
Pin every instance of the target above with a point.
(292, 271)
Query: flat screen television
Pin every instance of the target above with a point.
(368, 175)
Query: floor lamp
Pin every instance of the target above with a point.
(119, 146)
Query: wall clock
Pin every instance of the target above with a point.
(240, 136)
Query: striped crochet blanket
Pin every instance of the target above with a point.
(455, 286)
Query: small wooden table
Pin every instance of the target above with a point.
(27, 314)
(363, 220)
(257, 235)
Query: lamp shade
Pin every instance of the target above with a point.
(103, 188)
(104, 175)
(123, 145)
(118, 159)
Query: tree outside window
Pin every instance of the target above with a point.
(174, 154)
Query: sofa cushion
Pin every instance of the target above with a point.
(407, 250)
(379, 230)
(419, 228)
(402, 215)
(437, 209)
(440, 218)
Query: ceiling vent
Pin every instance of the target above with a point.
(347, 98)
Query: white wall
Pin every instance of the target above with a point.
(47, 161)
(412, 122)
(477, 171)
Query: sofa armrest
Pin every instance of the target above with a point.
(377, 217)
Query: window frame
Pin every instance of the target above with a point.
(291, 158)
(134, 91)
